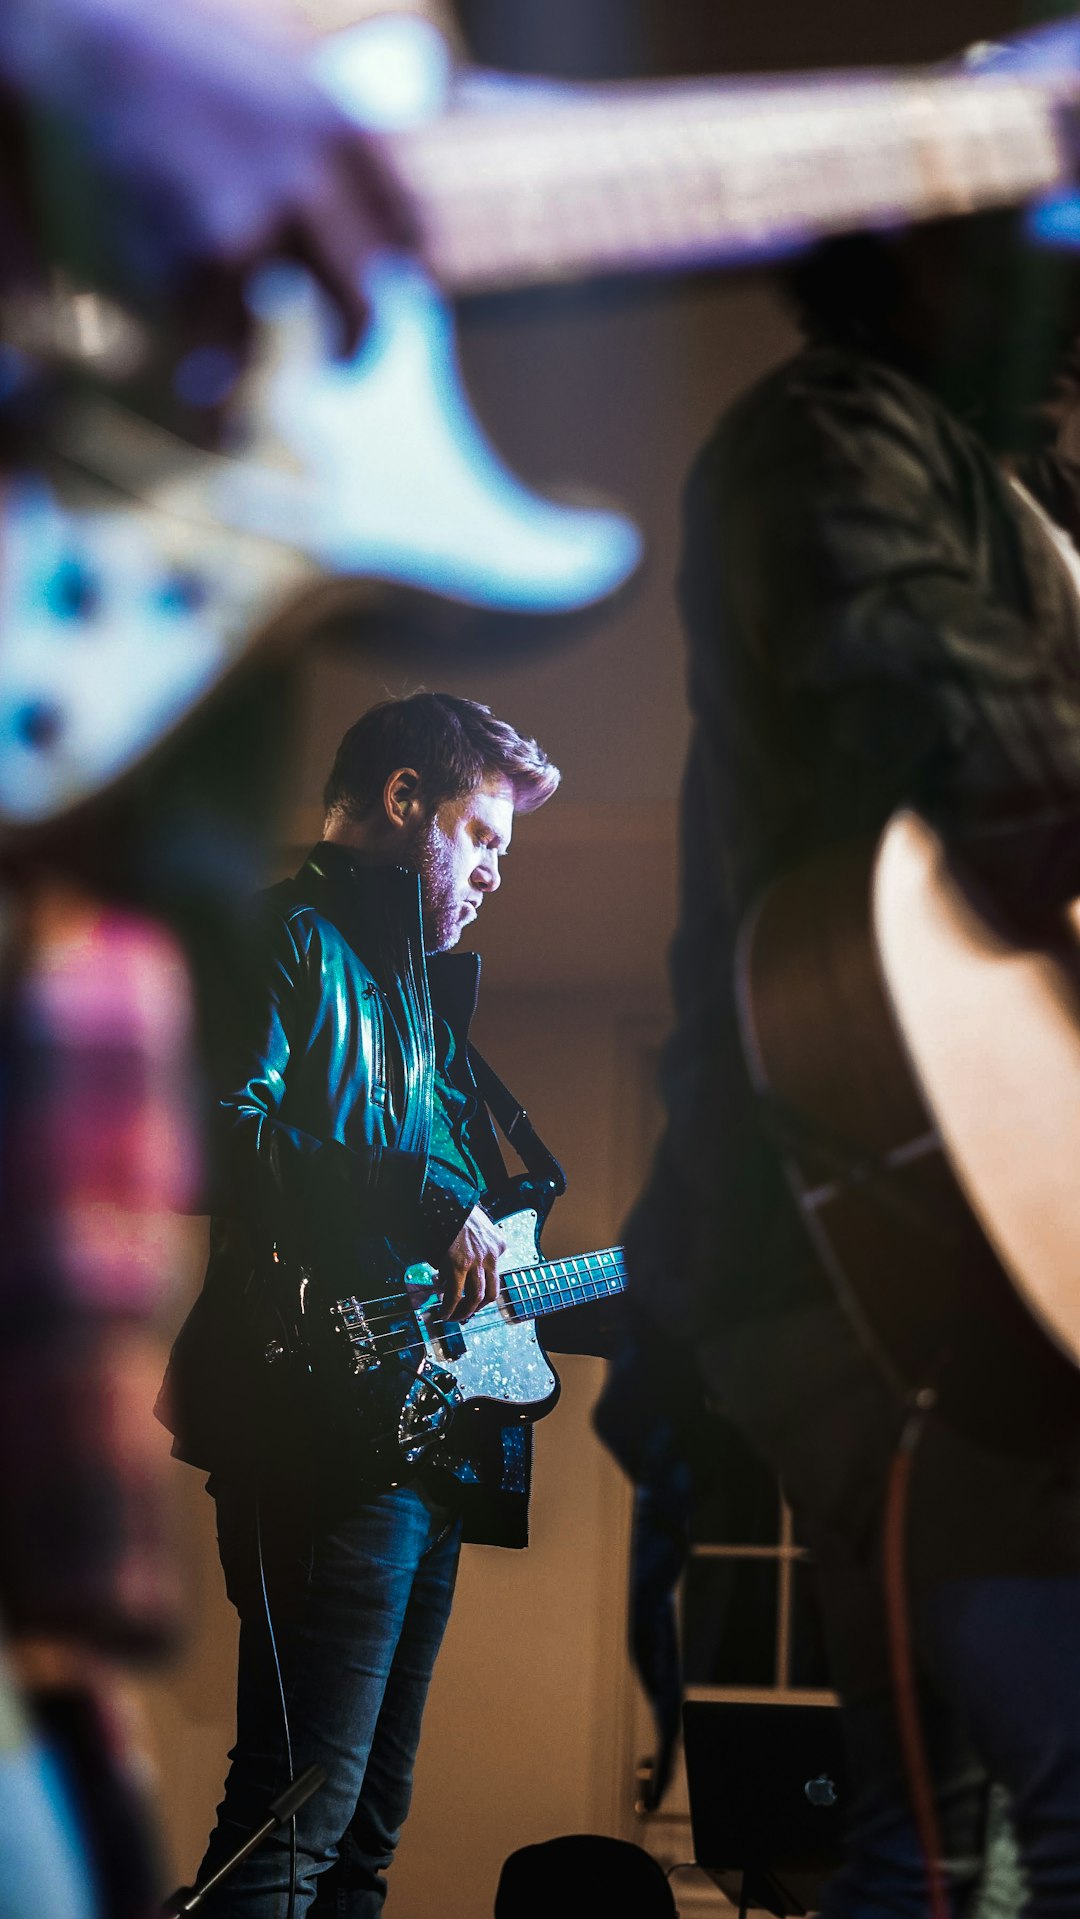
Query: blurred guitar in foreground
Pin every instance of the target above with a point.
(921, 1074)
(138, 573)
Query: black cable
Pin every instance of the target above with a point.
(290, 1910)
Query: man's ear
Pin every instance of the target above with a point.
(403, 798)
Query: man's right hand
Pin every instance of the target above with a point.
(470, 1269)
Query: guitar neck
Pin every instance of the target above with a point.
(535, 1290)
(647, 176)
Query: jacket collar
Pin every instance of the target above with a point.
(358, 894)
(454, 979)
(336, 867)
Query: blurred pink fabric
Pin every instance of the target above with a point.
(98, 1150)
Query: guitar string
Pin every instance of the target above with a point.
(418, 1343)
(594, 1286)
(602, 1290)
(438, 1327)
(576, 1292)
(519, 1280)
(611, 1256)
(586, 1277)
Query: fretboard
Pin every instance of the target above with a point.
(533, 1291)
(646, 176)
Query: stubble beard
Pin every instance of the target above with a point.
(438, 905)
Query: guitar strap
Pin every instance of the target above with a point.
(516, 1126)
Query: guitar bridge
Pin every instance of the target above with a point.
(350, 1322)
(428, 1408)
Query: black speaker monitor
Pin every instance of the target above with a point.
(768, 1795)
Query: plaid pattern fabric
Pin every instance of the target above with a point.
(97, 1150)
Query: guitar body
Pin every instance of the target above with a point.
(496, 1359)
(891, 1032)
(390, 1376)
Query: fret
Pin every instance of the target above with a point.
(687, 172)
(554, 1284)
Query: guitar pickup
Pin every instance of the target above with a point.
(349, 1319)
(451, 1339)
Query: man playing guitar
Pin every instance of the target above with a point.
(353, 1141)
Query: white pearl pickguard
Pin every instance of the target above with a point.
(502, 1360)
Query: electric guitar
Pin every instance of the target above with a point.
(394, 1377)
(137, 574)
(921, 1074)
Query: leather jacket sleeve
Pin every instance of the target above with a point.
(836, 521)
(273, 1173)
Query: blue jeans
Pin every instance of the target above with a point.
(359, 1602)
(994, 1603)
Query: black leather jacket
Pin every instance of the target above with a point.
(321, 1157)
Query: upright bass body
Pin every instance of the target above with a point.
(922, 1077)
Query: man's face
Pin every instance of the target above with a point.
(458, 853)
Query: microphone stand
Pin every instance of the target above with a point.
(190, 1898)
